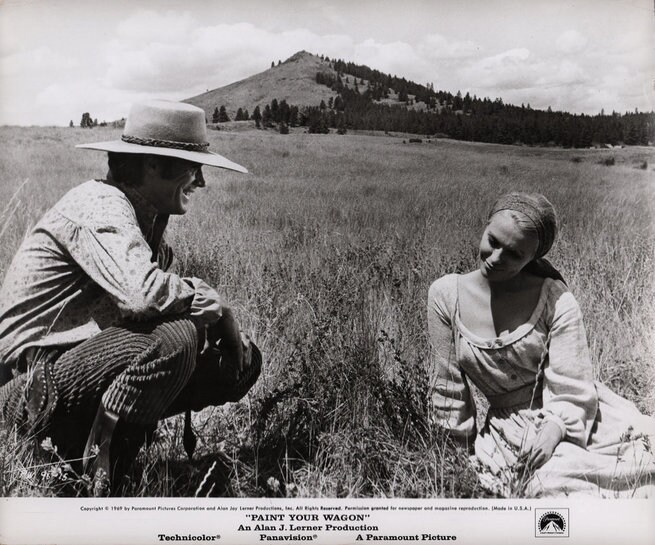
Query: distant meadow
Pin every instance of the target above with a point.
(326, 251)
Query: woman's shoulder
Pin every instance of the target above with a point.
(559, 299)
(444, 284)
(555, 289)
(443, 293)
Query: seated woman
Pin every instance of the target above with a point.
(515, 331)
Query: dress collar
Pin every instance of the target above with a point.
(512, 336)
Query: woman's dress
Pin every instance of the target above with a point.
(539, 372)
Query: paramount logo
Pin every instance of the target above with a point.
(552, 523)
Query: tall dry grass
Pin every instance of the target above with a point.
(326, 251)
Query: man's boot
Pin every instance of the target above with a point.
(110, 451)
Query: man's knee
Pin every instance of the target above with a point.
(175, 348)
(147, 387)
(211, 385)
(177, 335)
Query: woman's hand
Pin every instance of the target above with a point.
(537, 452)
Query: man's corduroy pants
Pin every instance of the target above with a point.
(138, 371)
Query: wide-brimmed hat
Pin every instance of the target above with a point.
(162, 127)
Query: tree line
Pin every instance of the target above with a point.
(485, 121)
(87, 122)
(469, 117)
(281, 115)
(419, 109)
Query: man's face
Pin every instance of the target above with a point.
(168, 184)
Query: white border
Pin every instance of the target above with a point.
(39, 521)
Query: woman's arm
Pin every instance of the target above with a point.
(450, 396)
(569, 395)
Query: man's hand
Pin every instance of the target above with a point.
(216, 380)
(247, 350)
(538, 451)
(225, 337)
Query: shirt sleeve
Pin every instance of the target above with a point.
(207, 304)
(570, 397)
(450, 396)
(113, 252)
(166, 257)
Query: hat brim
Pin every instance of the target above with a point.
(208, 158)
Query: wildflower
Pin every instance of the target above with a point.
(47, 445)
(273, 484)
(627, 435)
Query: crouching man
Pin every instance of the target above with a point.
(98, 340)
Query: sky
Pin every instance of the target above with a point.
(60, 58)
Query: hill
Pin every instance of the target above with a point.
(323, 94)
(293, 80)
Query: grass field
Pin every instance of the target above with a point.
(326, 251)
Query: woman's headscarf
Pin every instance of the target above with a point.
(541, 213)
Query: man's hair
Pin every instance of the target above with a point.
(127, 168)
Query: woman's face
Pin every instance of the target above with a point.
(505, 248)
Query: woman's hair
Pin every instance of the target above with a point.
(531, 211)
(522, 221)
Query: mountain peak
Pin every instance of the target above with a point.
(293, 80)
(300, 55)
